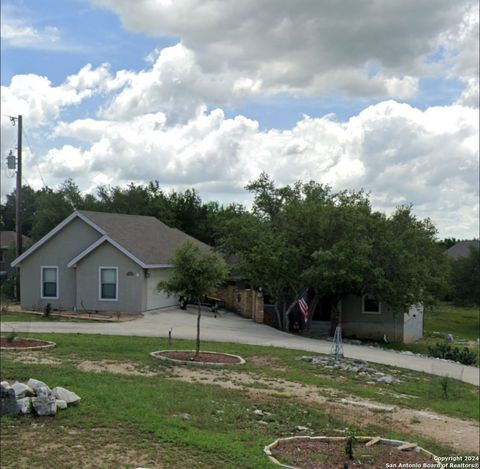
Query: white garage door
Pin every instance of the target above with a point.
(155, 298)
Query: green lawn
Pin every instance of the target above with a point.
(446, 318)
(127, 420)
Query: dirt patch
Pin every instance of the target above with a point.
(273, 363)
(121, 368)
(56, 446)
(317, 454)
(35, 358)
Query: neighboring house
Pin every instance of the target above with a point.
(363, 317)
(97, 261)
(8, 242)
(462, 249)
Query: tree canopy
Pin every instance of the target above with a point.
(306, 235)
(465, 275)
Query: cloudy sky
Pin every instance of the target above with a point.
(209, 93)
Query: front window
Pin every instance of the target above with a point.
(371, 305)
(108, 283)
(49, 282)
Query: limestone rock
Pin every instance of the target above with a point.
(45, 402)
(5, 384)
(301, 428)
(184, 416)
(387, 379)
(61, 404)
(35, 383)
(65, 395)
(22, 390)
(24, 405)
(45, 405)
(8, 403)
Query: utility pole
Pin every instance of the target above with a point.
(18, 206)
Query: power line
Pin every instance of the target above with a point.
(33, 153)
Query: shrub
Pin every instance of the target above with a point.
(465, 356)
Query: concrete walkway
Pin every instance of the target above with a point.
(228, 327)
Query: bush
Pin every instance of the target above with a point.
(465, 356)
(7, 287)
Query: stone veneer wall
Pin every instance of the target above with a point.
(247, 302)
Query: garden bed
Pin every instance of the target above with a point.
(23, 343)
(187, 357)
(329, 452)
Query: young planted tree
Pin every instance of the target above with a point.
(196, 273)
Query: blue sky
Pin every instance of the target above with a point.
(207, 94)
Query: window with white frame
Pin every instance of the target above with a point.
(108, 283)
(50, 282)
(371, 305)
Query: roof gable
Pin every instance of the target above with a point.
(53, 232)
(146, 240)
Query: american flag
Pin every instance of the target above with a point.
(303, 306)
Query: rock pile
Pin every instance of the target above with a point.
(359, 367)
(36, 396)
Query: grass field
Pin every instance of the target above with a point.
(129, 414)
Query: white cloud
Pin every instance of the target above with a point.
(175, 85)
(315, 48)
(400, 153)
(17, 33)
(39, 101)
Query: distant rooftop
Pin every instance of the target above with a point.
(462, 249)
(7, 238)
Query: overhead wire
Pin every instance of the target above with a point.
(33, 153)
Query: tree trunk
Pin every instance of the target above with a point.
(311, 310)
(199, 315)
(279, 317)
(287, 312)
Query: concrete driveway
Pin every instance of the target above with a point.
(229, 327)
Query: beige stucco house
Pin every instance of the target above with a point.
(95, 261)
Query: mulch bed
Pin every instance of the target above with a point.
(317, 454)
(203, 357)
(19, 342)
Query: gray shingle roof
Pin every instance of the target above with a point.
(146, 238)
(462, 249)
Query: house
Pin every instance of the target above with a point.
(363, 317)
(8, 242)
(462, 249)
(95, 261)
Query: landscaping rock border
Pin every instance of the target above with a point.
(48, 344)
(156, 354)
(268, 449)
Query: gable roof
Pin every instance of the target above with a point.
(146, 240)
(462, 248)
